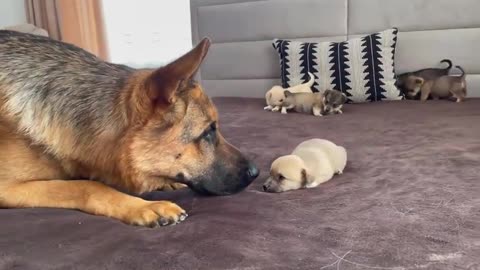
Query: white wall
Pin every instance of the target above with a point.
(12, 12)
(147, 33)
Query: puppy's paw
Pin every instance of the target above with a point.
(154, 214)
(267, 108)
(276, 109)
(283, 112)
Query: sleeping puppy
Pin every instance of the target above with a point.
(408, 82)
(312, 162)
(275, 96)
(443, 87)
(318, 104)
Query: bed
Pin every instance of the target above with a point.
(408, 199)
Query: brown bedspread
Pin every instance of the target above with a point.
(409, 199)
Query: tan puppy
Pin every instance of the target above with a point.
(275, 96)
(443, 87)
(312, 162)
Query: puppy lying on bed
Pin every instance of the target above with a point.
(318, 104)
(275, 96)
(312, 162)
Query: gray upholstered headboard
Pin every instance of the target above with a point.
(242, 61)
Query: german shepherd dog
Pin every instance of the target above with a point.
(80, 133)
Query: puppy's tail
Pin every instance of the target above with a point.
(311, 81)
(462, 70)
(449, 63)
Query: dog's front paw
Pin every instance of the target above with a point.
(276, 109)
(153, 214)
(267, 108)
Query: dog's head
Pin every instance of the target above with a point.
(286, 173)
(275, 96)
(333, 101)
(409, 85)
(176, 136)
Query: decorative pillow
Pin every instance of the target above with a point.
(362, 68)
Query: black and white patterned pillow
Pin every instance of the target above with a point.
(362, 68)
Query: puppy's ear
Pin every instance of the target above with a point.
(327, 93)
(344, 98)
(287, 93)
(304, 178)
(419, 81)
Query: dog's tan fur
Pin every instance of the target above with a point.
(129, 130)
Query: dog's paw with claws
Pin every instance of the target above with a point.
(156, 213)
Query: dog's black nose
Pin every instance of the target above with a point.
(265, 188)
(252, 172)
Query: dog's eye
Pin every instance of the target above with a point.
(281, 177)
(210, 133)
(281, 100)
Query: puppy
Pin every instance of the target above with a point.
(333, 101)
(275, 96)
(312, 163)
(408, 82)
(318, 104)
(443, 87)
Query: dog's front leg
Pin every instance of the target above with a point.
(268, 108)
(276, 109)
(284, 110)
(90, 197)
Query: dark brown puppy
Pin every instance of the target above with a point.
(408, 82)
(67, 115)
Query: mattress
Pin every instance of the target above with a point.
(408, 199)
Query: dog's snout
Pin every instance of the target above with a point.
(252, 171)
(265, 188)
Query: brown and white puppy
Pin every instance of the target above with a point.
(333, 101)
(318, 104)
(443, 87)
(408, 82)
(275, 96)
(312, 163)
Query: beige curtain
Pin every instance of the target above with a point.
(79, 22)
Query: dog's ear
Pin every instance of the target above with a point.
(164, 82)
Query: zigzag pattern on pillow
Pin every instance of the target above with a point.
(362, 68)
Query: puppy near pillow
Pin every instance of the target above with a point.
(311, 163)
(276, 95)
